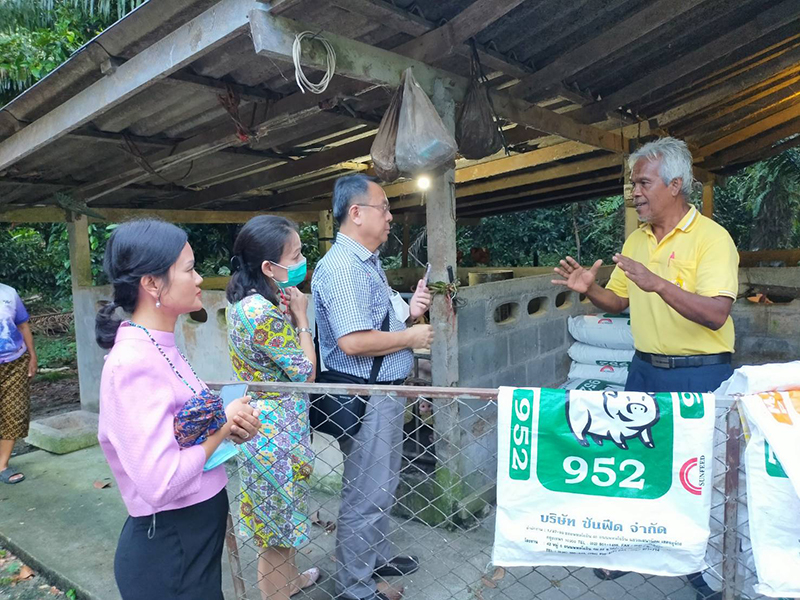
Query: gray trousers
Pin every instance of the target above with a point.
(371, 474)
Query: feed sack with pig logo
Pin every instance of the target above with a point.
(610, 479)
(773, 489)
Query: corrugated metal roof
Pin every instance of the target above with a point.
(703, 51)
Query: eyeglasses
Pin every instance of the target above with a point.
(384, 208)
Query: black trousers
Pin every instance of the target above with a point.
(176, 556)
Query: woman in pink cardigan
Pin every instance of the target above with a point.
(171, 544)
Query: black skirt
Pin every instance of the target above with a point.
(174, 554)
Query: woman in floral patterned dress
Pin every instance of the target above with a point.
(267, 344)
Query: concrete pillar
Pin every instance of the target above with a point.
(440, 209)
(84, 309)
(325, 231)
(80, 260)
(708, 199)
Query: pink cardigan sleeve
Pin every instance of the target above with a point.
(140, 428)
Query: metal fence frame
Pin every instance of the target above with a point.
(730, 546)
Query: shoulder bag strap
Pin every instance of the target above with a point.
(377, 362)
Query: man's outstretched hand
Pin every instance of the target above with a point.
(575, 277)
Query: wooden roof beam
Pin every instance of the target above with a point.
(790, 114)
(52, 214)
(187, 43)
(442, 42)
(639, 25)
(737, 85)
(273, 37)
(753, 147)
(649, 84)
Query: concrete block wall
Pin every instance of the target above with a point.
(204, 344)
(766, 333)
(529, 348)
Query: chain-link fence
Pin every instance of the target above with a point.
(438, 446)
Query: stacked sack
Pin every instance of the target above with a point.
(602, 352)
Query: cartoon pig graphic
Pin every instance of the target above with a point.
(622, 416)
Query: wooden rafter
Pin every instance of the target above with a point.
(443, 41)
(118, 215)
(650, 84)
(789, 114)
(640, 24)
(187, 43)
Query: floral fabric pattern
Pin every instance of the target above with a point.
(276, 464)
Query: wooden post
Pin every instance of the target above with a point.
(80, 259)
(325, 231)
(406, 242)
(440, 210)
(708, 199)
(631, 218)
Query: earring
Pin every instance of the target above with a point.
(158, 304)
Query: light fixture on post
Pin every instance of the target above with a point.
(424, 183)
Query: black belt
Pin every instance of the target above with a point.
(395, 382)
(663, 361)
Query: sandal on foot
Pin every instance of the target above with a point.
(313, 576)
(8, 474)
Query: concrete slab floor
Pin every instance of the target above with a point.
(58, 522)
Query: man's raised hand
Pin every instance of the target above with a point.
(575, 277)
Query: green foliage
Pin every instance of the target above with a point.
(760, 205)
(56, 351)
(36, 36)
(543, 236)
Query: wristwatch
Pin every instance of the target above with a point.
(306, 330)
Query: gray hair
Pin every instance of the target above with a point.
(346, 190)
(675, 161)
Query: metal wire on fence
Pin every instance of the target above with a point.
(443, 444)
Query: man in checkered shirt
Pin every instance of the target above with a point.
(352, 297)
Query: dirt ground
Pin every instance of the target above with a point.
(51, 398)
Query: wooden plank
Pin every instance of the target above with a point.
(501, 166)
(708, 200)
(442, 42)
(325, 231)
(278, 7)
(273, 37)
(515, 193)
(752, 259)
(752, 148)
(542, 175)
(642, 23)
(80, 258)
(735, 85)
(533, 199)
(52, 214)
(190, 41)
(649, 84)
(746, 133)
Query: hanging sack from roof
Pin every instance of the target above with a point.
(423, 142)
(476, 131)
(383, 148)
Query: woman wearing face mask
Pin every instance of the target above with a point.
(267, 344)
(171, 544)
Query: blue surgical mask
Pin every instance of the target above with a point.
(296, 274)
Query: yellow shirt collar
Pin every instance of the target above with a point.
(685, 224)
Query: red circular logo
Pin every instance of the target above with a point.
(684, 476)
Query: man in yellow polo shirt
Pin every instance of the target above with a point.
(678, 274)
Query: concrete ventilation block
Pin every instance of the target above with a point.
(64, 433)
